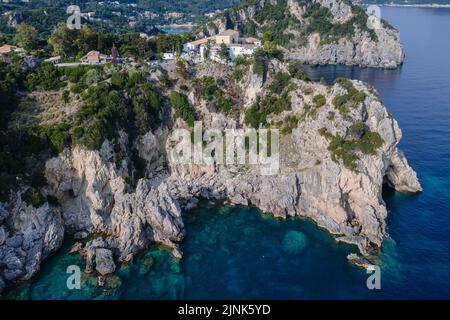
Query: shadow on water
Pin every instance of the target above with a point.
(376, 77)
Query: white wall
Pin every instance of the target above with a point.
(236, 51)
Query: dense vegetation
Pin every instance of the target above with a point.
(276, 19)
(19, 148)
(275, 102)
(76, 43)
(320, 21)
(213, 91)
(111, 15)
(73, 44)
(290, 30)
(111, 99)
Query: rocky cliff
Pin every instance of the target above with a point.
(315, 31)
(27, 236)
(334, 161)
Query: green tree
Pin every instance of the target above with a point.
(181, 107)
(119, 80)
(66, 96)
(26, 36)
(250, 29)
(87, 40)
(146, 106)
(224, 52)
(260, 63)
(62, 41)
(253, 115)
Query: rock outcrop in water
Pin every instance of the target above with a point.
(27, 236)
(333, 165)
(316, 32)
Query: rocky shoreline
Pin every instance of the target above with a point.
(96, 200)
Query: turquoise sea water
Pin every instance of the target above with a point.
(240, 253)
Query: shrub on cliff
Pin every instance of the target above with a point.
(119, 80)
(58, 135)
(253, 117)
(351, 99)
(147, 105)
(181, 107)
(295, 70)
(259, 65)
(319, 100)
(182, 69)
(103, 111)
(346, 149)
(237, 75)
(209, 88)
(281, 81)
(33, 197)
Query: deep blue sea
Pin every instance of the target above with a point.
(235, 252)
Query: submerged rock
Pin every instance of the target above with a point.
(77, 247)
(113, 282)
(359, 261)
(146, 265)
(294, 242)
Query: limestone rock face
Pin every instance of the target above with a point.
(402, 180)
(348, 203)
(14, 20)
(151, 147)
(360, 48)
(104, 263)
(27, 236)
(94, 199)
(310, 183)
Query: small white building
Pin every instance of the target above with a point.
(238, 46)
(168, 56)
(195, 45)
(254, 41)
